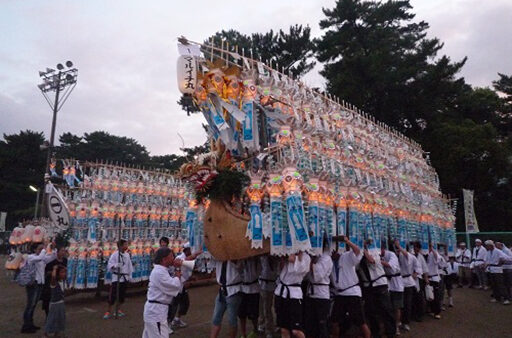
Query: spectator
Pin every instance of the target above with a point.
(39, 258)
(478, 260)
(463, 258)
(121, 267)
(494, 262)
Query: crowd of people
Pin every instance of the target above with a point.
(312, 296)
(324, 296)
(489, 263)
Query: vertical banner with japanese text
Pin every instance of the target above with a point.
(469, 211)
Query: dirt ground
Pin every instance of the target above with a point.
(472, 316)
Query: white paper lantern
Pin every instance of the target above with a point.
(39, 234)
(13, 239)
(187, 74)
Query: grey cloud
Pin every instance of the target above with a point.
(126, 55)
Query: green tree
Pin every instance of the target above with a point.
(173, 162)
(292, 49)
(21, 164)
(504, 86)
(100, 145)
(377, 58)
(469, 155)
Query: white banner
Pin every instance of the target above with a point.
(3, 216)
(189, 49)
(187, 74)
(57, 209)
(469, 211)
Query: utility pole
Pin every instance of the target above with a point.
(62, 83)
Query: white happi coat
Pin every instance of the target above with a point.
(319, 277)
(393, 272)
(495, 260)
(233, 276)
(407, 269)
(479, 255)
(433, 267)
(124, 263)
(291, 276)
(463, 257)
(162, 289)
(250, 276)
(344, 276)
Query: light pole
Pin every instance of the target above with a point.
(62, 82)
(34, 189)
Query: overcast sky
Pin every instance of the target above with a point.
(126, 55)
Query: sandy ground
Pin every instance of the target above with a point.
(472, 316)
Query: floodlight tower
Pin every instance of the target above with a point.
(62, 82)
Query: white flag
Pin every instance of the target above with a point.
(57, 208)
(469, 211)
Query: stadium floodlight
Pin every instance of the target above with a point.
(62, 83)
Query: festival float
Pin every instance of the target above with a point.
(91, 205)
(291, 168)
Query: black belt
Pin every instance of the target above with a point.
(495, 265)
(393, 275)
(374, 280)
(157, 302)
(313, 286)
(345, 289)
(406, 276)
(430, 276)
(477, 260)
(225, 287)
(287, 286)
(119, 274)
(267, 280)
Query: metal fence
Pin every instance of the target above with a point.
(497, 236)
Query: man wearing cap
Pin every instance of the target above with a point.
(161, 290)
(478, 260)
(463, 258)
(181, 302)
(494, 263)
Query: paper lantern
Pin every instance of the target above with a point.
(38, 234)
(19, 236)
(187, 74)
(13, 236)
